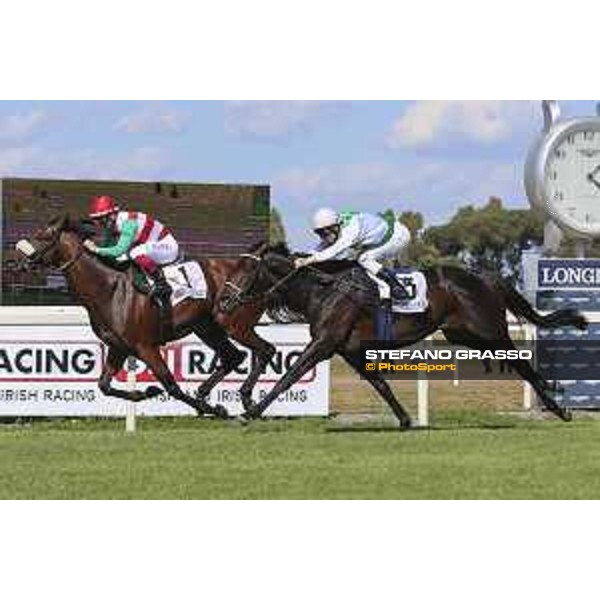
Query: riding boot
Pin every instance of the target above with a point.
(161, 294)
(398, 291)
(161, 291)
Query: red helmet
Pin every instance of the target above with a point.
(102, 206)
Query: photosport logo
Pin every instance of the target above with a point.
(555, 360)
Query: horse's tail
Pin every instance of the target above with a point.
(520, 307)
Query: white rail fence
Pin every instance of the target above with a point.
(73, 315)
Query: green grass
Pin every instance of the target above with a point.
(466, 456)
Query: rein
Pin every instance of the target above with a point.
(51, 244)
(244, 298)
(70, 263)
(241, 295)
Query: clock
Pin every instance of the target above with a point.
(562, 173)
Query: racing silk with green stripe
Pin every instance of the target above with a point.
(134, 229)
(360, 231)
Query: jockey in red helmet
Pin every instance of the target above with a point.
(141, 238)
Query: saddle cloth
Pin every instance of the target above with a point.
(186, 280)
(415, 284)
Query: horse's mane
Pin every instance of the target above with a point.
(280, 248)
(335, 267)
(277, 309)
(85, 229)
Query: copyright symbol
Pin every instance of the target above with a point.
(370, 366)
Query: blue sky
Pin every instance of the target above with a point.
(427, 156)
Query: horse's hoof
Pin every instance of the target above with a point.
(248, 404)
(249, 415)
(220, 412)
(203, 408)
(406, 424)
(153, 391)
(566, 415)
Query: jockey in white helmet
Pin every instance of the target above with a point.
(364, 237)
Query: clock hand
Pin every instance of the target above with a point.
(593, 180)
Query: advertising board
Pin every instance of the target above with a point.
(52, 370)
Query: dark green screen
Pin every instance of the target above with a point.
(208, 220)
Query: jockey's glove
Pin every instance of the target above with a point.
(304, 262)
(90, 245)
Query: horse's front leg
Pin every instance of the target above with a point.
(212, 334)
(114, 363)
(152, 357)
(316, 352)
(262, 353)
(380, 385)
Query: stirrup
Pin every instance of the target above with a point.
(161, 293)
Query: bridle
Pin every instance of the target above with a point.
(41, 252)
(241, 296)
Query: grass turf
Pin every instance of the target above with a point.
(466, 455)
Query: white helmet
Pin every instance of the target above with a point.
(325, 217)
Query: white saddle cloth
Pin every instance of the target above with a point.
(415, 284)
(187, 281)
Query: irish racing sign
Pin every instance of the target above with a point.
(53, 371)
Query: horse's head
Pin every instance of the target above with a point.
(258, 273)
(47, 245)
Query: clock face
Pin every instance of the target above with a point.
(572, 179)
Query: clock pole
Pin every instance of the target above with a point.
(551, 110)
(553, 237)
(580, 248)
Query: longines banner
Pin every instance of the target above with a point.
(568, 273)
(53, 371)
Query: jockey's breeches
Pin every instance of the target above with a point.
(160, 252)
(369, 259)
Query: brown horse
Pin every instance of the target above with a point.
(338, 300)
(128, 321)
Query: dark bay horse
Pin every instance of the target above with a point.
(338, 301)
(128, 322)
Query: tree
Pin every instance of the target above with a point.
(419, 253)
(413, 220)
(276, 228)
(489, 238)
